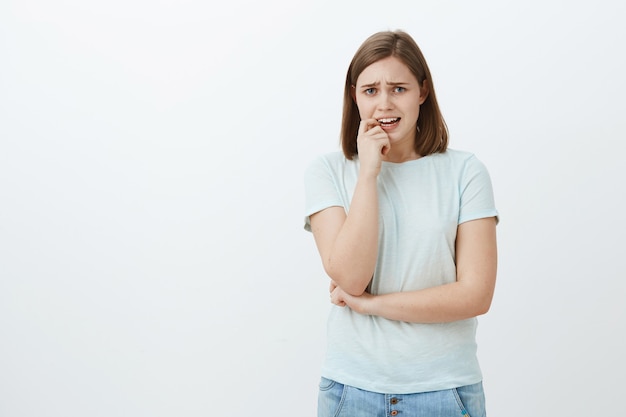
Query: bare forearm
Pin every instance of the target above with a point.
(446, 303)
(352, 260)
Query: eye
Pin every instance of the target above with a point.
(399, 90)
(370, 91)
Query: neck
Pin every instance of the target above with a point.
(398, 155)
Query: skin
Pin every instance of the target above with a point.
(348, 244)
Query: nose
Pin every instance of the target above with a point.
(385, 101)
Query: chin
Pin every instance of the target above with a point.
(400, 137)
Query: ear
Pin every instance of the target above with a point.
(424, 92)
(353, 93)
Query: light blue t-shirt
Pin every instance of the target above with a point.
(421, 204)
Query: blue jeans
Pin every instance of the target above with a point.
(338, 400)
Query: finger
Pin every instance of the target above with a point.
(376, 132)
(333, 298)
(367, 124)
(337, 301)
(381, 138)
(386, 148)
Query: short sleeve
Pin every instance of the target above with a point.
(320, 189)
(476, 191)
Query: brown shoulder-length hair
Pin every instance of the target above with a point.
(432, 133)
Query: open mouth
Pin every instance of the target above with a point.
(389, 121)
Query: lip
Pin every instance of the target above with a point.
(385, 124)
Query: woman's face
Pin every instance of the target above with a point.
(389, 92)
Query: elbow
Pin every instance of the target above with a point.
(483, 305)
(349, 282)
(482, 309)
(477, 301)
(355, 291)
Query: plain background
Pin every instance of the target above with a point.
(153, 260)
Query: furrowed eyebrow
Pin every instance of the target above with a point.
(376, 84)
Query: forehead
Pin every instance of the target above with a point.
(387, 70)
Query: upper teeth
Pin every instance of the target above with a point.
(387, 120)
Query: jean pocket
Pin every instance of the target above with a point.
(471, 400)
(330, 398)
(326, 384)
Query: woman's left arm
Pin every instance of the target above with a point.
(469, 296)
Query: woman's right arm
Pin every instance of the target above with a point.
(348, 244)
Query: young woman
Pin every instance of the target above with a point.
(406, 231)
